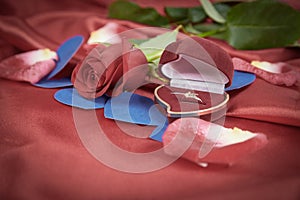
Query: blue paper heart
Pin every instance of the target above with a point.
(133, 108)
(65, 52)
(54, 83)
(137, 109)
(159, 131)
(241, 79)
(70, 97)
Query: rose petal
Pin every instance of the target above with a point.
(104, 68)
(135, 68)
(30, 66)
(209, 142)
(35, 56)
(269, 67)
(287, 77)
(105, 34)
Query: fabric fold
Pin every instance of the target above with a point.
(22, 35)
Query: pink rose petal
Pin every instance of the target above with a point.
(209, 142)
(285, 74)
(30, 66)
(105, 34)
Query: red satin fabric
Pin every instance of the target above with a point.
(42, 157)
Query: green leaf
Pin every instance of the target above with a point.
(176, 14)
(205, 29)
(196, 14)
(222, 8)
(126, 10)
(189, 28)
(212, 12)
(137, 42)
(154, 47)
(262, 24)
(187, 15)
(211, 30)
(193, 14)
(208, 27)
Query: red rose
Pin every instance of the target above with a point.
(103, 67)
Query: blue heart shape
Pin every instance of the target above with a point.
(54, 83)
(240, 80)
(70, 97)
(65, 52)
(137, 109)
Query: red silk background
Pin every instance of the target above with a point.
(41, 156)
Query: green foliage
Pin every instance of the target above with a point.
(262, 24)
(245, 25)
(126, 10)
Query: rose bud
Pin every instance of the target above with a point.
(99, 72)
(203, 142)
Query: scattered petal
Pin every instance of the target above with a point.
(35, 56)
(287, 76)
(30, 66)
(209, 142)
(105, 34)
(269, 67)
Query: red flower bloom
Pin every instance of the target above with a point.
(103, 67)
